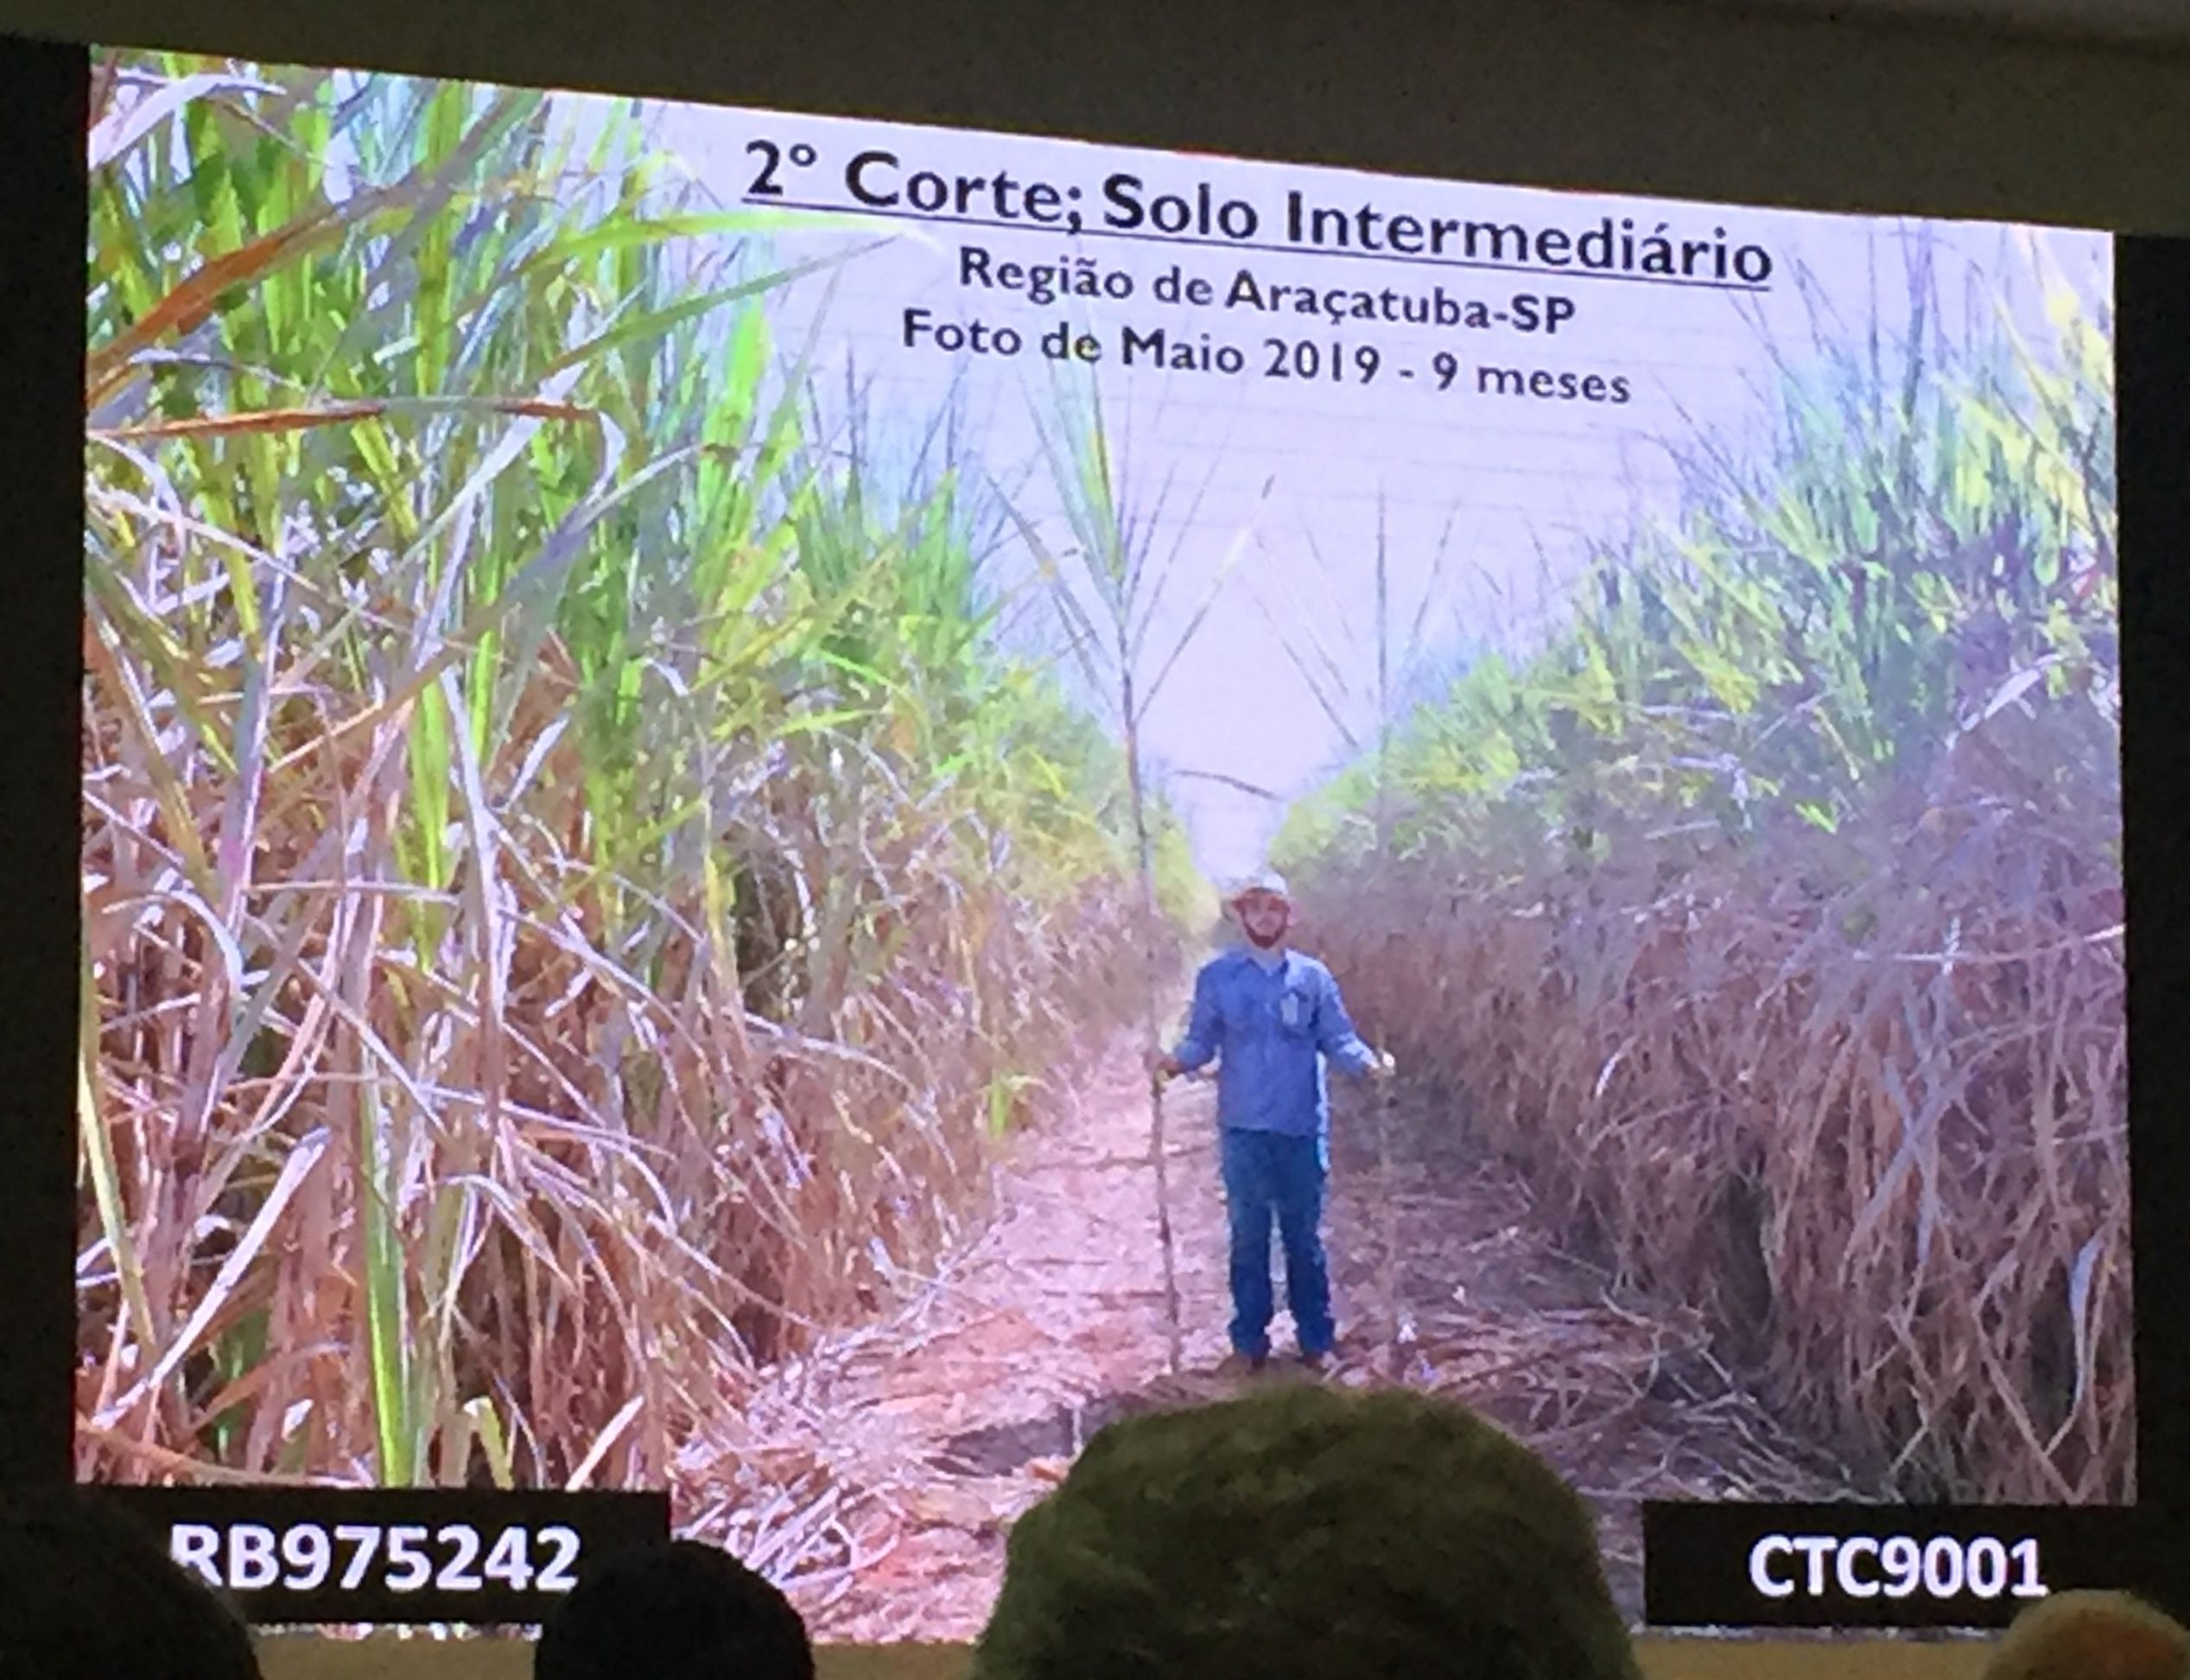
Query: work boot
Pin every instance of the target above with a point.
(1244, 1365)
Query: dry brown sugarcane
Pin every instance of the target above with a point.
(1159, 1144)
(1321, 669)
(1113, 553)
(1393, 1359)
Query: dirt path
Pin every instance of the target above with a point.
(932, 1431)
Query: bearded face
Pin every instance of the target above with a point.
(1265, 916)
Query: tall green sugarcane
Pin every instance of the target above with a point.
(454, 536)
(1108, 590)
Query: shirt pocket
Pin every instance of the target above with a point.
(1297, 1012)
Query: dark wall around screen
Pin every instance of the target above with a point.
(1613, 93)
(2152, 350)
(1648, 96)
(41, 363)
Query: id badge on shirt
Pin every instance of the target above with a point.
(1290, 1010)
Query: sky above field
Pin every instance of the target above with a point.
(1272, 490)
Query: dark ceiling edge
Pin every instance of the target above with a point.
(1967, 20)
(1904, 73)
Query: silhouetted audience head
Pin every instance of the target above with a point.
(675, 1610)
(91, 1593)
(2092, 1636)
(1306, 1533)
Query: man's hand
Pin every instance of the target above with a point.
(1162, 1067)
(1384, 1068)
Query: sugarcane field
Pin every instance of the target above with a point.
(793, 808)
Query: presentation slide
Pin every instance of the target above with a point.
(780, 810)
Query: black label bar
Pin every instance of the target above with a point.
(299, 1556)
(1842, 1565)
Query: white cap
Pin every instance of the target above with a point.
(1263, 880)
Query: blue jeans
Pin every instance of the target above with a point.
(1269, 1173)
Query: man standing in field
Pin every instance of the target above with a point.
(1270, 1016)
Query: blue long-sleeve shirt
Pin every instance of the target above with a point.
(1273, 1028)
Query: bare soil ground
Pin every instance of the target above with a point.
(905, 1451)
